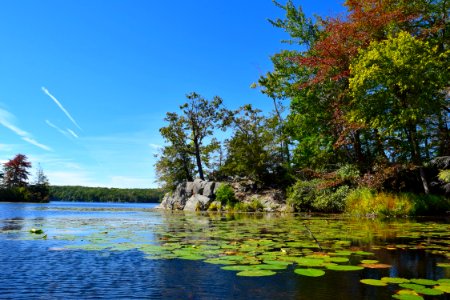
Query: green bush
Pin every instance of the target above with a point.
(225, 195)
(313, 196)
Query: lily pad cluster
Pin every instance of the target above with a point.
(411, 289)
(255, 245)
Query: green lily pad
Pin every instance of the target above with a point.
(310, 272)
(237, 268)
(277, 262)
(338, 259)
(344, 268)
(423, 281)
(412, 286)
(374, 282)
(271, 267)
(369, 261)
(395, 280)
(431, 292)
(443, 265)
(256, 273)
(407, 297)
(444, 288)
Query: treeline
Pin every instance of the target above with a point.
(100, 194)
(361, 114)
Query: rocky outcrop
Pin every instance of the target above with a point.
(199, 195)
(191, 196)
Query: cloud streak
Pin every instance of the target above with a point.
(68, 133)
(61, 107)
(6, 119)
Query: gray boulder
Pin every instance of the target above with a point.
(197, 202)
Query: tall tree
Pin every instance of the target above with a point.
(186, 135)
(16, 171)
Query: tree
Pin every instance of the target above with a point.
(41, 178)
(16, 171)
(186, 135)
(252, 150)
(397, 86)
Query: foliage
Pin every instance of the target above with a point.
(99, 194)
(16, 171)
(15, 182)
(225, 195)
(368, 90)
(185, 136)
(250, 150)
(364, 202)
(317, 195)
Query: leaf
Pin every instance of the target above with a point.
(374, 282)
(345, 268)
(395, 280)
(255, 273)
(310, 272)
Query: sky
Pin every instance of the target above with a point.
(85, 84)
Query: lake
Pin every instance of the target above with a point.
(71, 250)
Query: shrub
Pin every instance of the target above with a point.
(311, 196)
(225, 195)
(365, 201)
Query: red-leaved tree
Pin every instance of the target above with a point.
(16, 171)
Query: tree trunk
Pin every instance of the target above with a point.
(412, 136)
(198, 160)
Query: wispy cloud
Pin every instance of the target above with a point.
(55, 127)
(7, 120)
(68, 132)
(72, 133)
(36, 143)
(61, 107)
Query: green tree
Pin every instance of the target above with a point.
(251, 150)
(397, 86)
(189, 139)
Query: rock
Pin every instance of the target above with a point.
(189, 189)
(198, 186)
(208, 189)
(197, 202)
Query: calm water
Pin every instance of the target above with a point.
(34, 267)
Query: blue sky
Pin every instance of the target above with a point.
(85, 84)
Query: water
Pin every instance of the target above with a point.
(52, 267)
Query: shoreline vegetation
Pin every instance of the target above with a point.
(360, 121)
(101, 194)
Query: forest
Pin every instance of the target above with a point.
(360, 120)
(101, 194)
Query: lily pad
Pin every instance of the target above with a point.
(256, 273)
(374, 282)
(444, 288)
(412, 286)
(431, 292)
(443, 265)
(310, 272)
(369, 261)
(395, 280)
(344, 268)
(424, 281)
(407, 297)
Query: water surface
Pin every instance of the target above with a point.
(125, 251)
